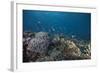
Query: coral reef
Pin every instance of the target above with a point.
(39, 43)
(40, 46)
(71, 51)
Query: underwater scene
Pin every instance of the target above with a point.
(56, 36)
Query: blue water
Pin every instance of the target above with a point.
(67, 23)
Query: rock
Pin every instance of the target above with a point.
(85, 56)
(55, 52)
(89, 46)
(71, 50)
(46, 58)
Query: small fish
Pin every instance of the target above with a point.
(73, 36)
(39, 22)
(53, 29)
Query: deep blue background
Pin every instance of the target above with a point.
(67, 23)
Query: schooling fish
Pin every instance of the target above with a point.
(73, 36)
(53, 29)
